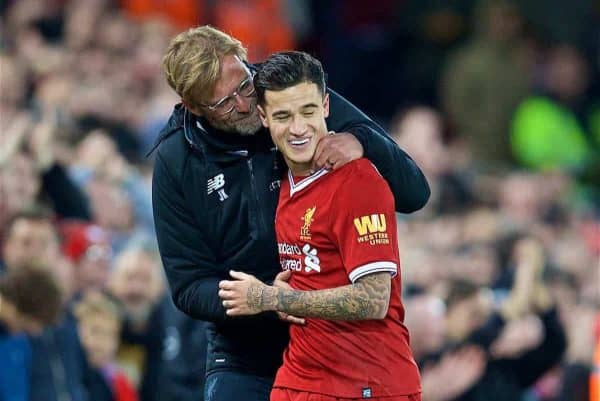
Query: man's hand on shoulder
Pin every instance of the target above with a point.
(335, 150)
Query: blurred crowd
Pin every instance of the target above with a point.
(497, 101)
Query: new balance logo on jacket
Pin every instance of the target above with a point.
(216, 184)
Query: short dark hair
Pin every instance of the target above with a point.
(459, 290)
(286, 69)
(34, 291)
(36, 212)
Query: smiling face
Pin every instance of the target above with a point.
(296, 118)
(243, 119)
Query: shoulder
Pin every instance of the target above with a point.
(172, 155)
(173, 145)
(172, 148)
(359, 169)
(361, 179)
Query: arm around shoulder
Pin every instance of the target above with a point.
(406, 180)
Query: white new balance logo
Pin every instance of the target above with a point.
(216, 184)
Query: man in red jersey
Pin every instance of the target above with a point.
(336, 233)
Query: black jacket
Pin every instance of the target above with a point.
(183, 356)
(214, 199)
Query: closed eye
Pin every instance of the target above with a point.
(281, 116)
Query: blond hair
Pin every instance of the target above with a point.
(192, 61)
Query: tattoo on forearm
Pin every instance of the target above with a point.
(368, 298)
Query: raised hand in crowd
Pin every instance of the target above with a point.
(517, 337)
(455, 373)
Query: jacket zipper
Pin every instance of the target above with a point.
(261, 223)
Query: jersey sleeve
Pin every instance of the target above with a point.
(364, 224)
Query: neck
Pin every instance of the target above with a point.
(299, 169)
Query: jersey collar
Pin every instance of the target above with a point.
(305, 182)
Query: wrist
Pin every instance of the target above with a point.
(269, 298)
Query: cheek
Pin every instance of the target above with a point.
(277, 134)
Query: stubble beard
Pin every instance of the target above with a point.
(244, 124)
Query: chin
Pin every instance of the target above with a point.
(300, 160)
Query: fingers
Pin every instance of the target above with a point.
(339, 163)
(234, 312)
(283, 276)
(322, 153)
(230, 284)
(226, 285)
(229, 304)
(281, 280)
(226, 294)
(239, 275)
(334, 151)
(291, 319)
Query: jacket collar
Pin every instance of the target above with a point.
(214, 144)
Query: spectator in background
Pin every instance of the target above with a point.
(484, 81)
(99, 327)
(420, 131)
(522, 340)
(30, 299)
(89, 249)
(425, 315)
(548, 130)
(137, 283)
(558, 129)
(120, 199)
(29, 169)
(58, 368)
(162, 350)
(31, 238)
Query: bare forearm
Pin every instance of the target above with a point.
(368, 298)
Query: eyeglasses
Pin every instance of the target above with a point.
(227, 104)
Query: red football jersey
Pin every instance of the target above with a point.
(332, 229)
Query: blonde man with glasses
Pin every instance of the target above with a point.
(215, 189)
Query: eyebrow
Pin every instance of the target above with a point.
(281, 113)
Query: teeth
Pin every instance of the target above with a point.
(299, 142)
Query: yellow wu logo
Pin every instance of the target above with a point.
(370, 224)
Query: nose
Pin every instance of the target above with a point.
(298, 126)
(242, 103)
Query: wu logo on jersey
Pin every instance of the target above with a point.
(308, 219)
(311, 260)
(370, 224)
(372, 229)
(216, 184)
